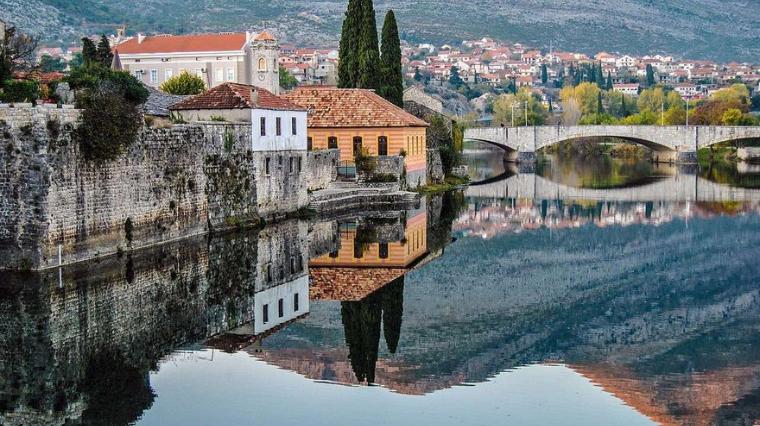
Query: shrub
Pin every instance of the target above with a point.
(383, 178)
(20, 91)
(217, 118)
(365, 163)
(184, 84)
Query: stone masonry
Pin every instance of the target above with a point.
(171, 183)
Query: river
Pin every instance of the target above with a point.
(574, 292)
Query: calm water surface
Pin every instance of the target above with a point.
(592, 292)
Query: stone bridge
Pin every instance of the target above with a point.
(669, 143)
(679, 188)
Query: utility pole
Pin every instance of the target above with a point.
(662, 113)
(687, 112)
(513, 114)
(526, 113)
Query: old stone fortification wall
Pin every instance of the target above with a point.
(434, 166)
(322, 168)
(171, 183)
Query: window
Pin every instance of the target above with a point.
(382, 145)
(298, 169)
(279, 162)
(332, 142)
(278, 126)
(308, 143)
(219, 75)
(265, 313)
(295, 302)
(168, 73)
(263, 125)
(292, 164)
(357, 145)
(383, 250)
(267, 166)
(262, 64)
(293, 125)
(292, 264)
(280, 308)
(269, 273)
(334, 254)
(154, 76)
(230, 74)
(138, 74)
(199, 72)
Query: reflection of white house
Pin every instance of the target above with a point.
(278, 305)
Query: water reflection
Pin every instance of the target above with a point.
(663, 317)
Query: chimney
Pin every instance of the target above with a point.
(140, 38)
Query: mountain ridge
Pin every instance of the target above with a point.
(703, 29)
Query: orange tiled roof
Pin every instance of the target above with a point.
(237, 96)
(220, 42)
(333, 107)
(265, 36)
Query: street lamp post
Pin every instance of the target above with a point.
(526, 113)
(513, 114)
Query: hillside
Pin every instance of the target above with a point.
(712, 29)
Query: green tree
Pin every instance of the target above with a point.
(103, 51)
(650, 75)
(392, 87)
(454, 79)
(185, 84)
(89, 52)
(369, 59)
(16, 53)
(503, 108)
(50, 64)
(544, 74)
(351, 32)
(609, 85)
(287, 81)
(733, 117)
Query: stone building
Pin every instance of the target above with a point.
(277, 142)
(353, 119)
(216, 58)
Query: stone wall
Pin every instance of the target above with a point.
(434, 166)
(322, 168)
(386, 166)
(171, 183)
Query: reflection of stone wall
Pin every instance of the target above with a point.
(78, 346)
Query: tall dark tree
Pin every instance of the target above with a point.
(544, 74)
(454, 78)
(348, 65)
(16, 52)
(103, 52)
(650, 75)
(361, 325)
(599, 106)
(393, 311)
(369, 59)
(600, 76)
(623, 111)
(392, 87)
(609, 85)
(89, 52)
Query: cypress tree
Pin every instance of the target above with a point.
(348, 65)
(623, 112)
(89, 52)
(104, 55)
(369, 59)
(599, 107)
(609, 81)
(600, 73)
(544, 74)
(392, 87)
(650, 75)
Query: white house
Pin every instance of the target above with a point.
(631, 89)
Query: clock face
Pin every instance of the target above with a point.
(261, 77)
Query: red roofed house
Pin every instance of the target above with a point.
(217, 58)
(352, 119)
(278, 140)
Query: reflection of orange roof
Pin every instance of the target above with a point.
(221, 42)
(349, 284)
(333, 107)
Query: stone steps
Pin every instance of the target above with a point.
(356, 198)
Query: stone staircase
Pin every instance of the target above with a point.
(348, 196)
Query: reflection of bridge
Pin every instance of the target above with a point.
(670, 143)
(677, 188)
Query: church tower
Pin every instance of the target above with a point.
(265, 69)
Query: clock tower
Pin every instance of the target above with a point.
(265, 70)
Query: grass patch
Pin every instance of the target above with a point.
(449, 183)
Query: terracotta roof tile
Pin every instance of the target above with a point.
(333, 107)
(265, 36)
(220, 42)
(237, 96)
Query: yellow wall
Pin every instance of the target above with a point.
(399, 254)
(409, 139)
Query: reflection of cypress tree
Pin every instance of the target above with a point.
(361, 324)
(393, 311)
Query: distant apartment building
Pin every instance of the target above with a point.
(630, 89)
(687, 91)
(244, 58)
